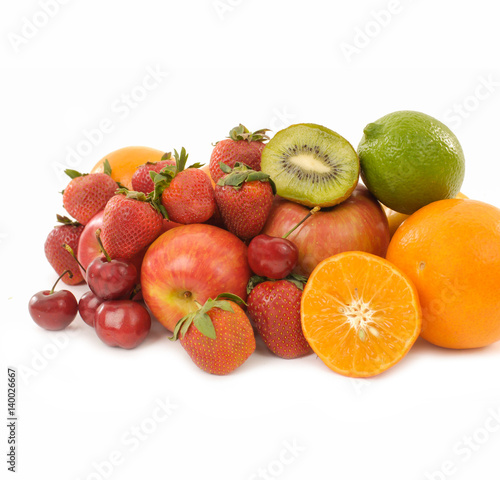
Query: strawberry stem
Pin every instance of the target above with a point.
(312, 212)
(60, 276)
(242, 133)
(101, 246)
(72, 253)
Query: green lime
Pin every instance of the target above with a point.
(409, 159)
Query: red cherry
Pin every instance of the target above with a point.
(274, 257)
(111, 279)
(122, 323)
(53, 310)
(87, 307)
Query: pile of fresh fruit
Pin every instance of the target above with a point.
(275, 237)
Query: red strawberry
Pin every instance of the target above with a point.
(141, 179)
(187, 195)
(87, 194)
(130, 224)
(244, 198)
(216, 218)
(274, 306)
(218, 337)
(241, 146)
(60, 259)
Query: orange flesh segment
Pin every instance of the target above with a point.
(360, 314)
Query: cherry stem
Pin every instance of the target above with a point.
(312, 212)
(135, 291)
(72, 253)
(60, 276)
(101, 246)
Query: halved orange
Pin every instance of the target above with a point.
(360, 313)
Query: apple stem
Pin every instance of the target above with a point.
(101, 246)
(312, 212)
(72, 253)
(60, 276)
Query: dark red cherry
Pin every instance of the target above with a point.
(111, 279)
(122, 323)
(274, 257)
(87, 307)
(53, 310)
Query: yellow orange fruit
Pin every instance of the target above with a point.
(125, 161)
(395, 219)
(359, 313)
(450, 249)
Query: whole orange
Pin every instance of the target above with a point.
(395, 219)
(125, 161)
(450, 249)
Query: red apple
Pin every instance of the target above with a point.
(88, 247)
(187, 265)
(358, 223)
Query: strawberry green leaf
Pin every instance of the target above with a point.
(158, 206)
(204, 324)
(141, 196)
(241, 167)
(238, 133)
(157, 177)
(187, 323)
(162, 210)
(254, 281)
(73, 173)
(222, 304)
(107, 167)
(234, 179)
(196, 165)
(230, 296)
(225, 168)
(260, 135)
(242, 133)
(273, 185)
(177, 327)
(180, 160)
(209, 304)
(67, 221)
(182, 326)
(160, 182)
(242, 173)
(252, 176)
(168, 171)
(298, 280)
(167, 156)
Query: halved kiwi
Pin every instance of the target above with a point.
(311, 165)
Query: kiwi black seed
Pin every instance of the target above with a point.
(311, 164)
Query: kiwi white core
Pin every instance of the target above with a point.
(309, 162)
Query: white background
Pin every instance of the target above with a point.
(265, 64)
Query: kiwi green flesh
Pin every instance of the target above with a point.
(311, 165)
